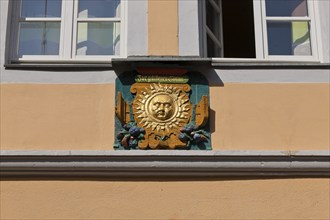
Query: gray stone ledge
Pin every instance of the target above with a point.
(165, 163)
(270, 65)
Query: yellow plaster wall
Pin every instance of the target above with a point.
(243, 117)
(60, 117)
(271, 116)
(163, 27)
(159, 199)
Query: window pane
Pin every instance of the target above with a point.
(98, 8)
(213, 20)
(212, 48)
(41, 8)
(286, 8)
(98, 38)
(289, 38)
(39, 38)
(217, 2)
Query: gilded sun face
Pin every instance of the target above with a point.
(162, 108)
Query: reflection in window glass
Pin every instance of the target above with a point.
(289, 38)
(98, 8)
(41, 8)
(39, 38)
(210, 47)
(213, 19)
(288, 8)
(98, 38)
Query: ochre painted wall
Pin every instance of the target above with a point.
(163, 28)
(50, 116)
(243, 116)
(271, 116)
(164, 199)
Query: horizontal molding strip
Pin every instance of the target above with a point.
(177, 163)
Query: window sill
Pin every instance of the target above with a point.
(78, 66)
(228, 63)
(267, 64)
(110, 64)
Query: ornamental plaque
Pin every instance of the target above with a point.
(162, 112)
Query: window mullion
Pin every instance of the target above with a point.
(204, 37)
(221, 30)
(15, 30)
(258, 29)
(67, 17)
(315, 41)
(264, 29)
(74, 29)
(123, 28)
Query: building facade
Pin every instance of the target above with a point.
(267, 64)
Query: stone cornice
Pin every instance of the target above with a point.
(165, 163)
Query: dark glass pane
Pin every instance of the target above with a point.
(286, 8)
(289, 38)
(218, 2)
(98, 38)
(41, 8)
(212, 19)
(210, 48)
(98, 8)
(39, 38)
(238, 29)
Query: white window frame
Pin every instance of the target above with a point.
(68, 34)
(216, 40)
(261, 44)
(313, 37)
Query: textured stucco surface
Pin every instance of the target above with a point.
(57, 116)
(164, 199)
(271, 116)
(243, 116)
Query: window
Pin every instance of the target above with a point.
(67, 30)
(213, 28)
(265, 29)
(287, 25)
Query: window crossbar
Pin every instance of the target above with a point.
(39, 19)
(213, 37)
(288, 18)
(98, 19)
(215, 6)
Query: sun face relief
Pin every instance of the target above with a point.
(159, 114)
(162, 107)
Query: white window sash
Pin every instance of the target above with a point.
(15, 34)
(68, 34)
(258, 30)
(217, 40)
(264, 20)
(75, 31)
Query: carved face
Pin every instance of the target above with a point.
(162, 107)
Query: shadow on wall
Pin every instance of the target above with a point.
(212, 117)
(212, 76)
